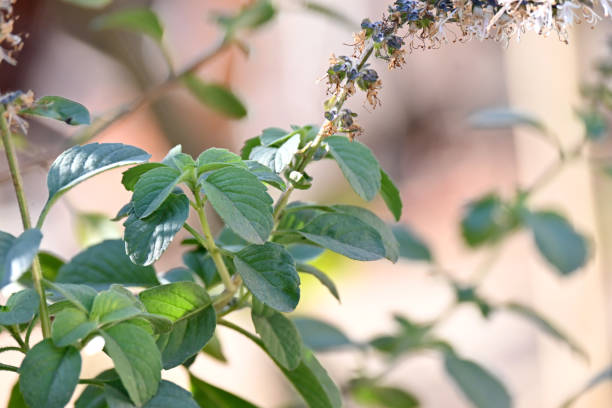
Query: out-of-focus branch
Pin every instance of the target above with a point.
(105, 121)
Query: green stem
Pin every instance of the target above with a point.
(91, 381)
(242, 331)
(4, 349)
(6, 367)
(15, 335)
(11, 157)
(316, 143)
(211, 247)
(105, 121)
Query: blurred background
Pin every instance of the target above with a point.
(421, 137)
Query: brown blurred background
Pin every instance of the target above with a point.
(420, 136)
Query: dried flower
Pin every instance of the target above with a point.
(10, 43)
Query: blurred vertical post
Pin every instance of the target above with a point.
(542, 78)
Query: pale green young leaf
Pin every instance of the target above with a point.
(241, 201)
(268, 271)
(214, 158)
(277, 159)
(48, 375)
(369, 394)
(358, 165)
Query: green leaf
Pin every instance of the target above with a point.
(168, 395)
(115, 304)
(277, 159)
(321, 336)
(313, 383)
(248, 147)
(215, 96)
(503, 118)
(266, 175)
(48, 375)
(214, 349)
(268, 271)
(305, 253)
(371, 395)
(131, 176)
(20, 308)
(50, 265)
(271, 136)
(558, 241)
(482, 222)
(143, 21)
(179, 275)
(152, 189)
(56, 107)
(411, 246)
(208, 395)
(358, 165)
(241, 201)
(104, 264)
(190, 308)
(16, 399)
(92, 228)
(390, 195)
(93, 4)
(201, 263)
(321, 277)
(176, 301)
(547, 327)
(605, 375)
(214, 158)
(410, 337)
(346, 235)
(476, 383)
(368, 217)
(81, 296)
(252, 16)
(147, 239)
(136, 359)
(79, 163)
(18, 255)
(595, 124)
(69, 326)
(279, 335)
